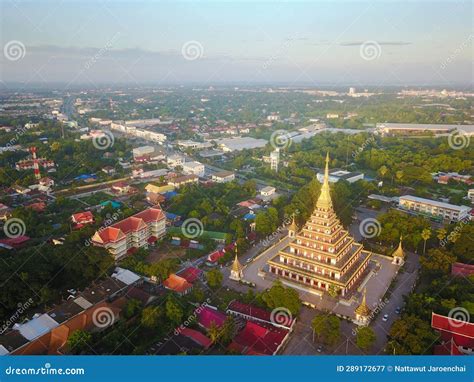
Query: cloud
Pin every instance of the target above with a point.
(381, 43)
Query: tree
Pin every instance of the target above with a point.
(327, 327)
(174, 312)
(280, 297)
(79, 341)
(441, 234)
(132, 307)
(228, 330)
(437, 261)
(365, 337)
(411, 335)
(425, 234)
(214, 332)
(214, 278)
(150, 317)
(383, 171)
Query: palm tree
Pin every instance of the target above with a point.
(425, 234)
(383, 171)
(213, 332)
(441, 234)
(399, 175)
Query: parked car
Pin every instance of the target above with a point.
(385, 317)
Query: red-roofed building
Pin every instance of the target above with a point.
(120, 188)
(214, 257)
(196, 336)
(209, 315)
(81, 219)
(14, 242)
(253, 313)
(461, 269)
(259, 340)
(177, 284)
(457, 336)
(132, 233)
(191, 274)
(37, 207)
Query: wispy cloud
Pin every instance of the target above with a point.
(381, 43)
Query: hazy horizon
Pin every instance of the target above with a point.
(301, 44)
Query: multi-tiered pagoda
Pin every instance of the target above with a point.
(322, 256)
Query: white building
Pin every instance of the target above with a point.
(240, 143)
(142, 150)
(268, 191)
(194, 145)
(470, 195)
(336, 175)
(223, 176)
(273, 117)
(446, 211)
(274, 159)
(175, 160)
(194, 168)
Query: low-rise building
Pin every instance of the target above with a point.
(183, 180)
(81, 219)
(470, 195)
(240, 143)
(444, 211)
(337, 174)
(48, 333)
(109, 170)
(267, 191)
(134, 232)
(193, 167)
(175, 160)
(223, 176)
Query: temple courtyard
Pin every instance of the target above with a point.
(381, 271)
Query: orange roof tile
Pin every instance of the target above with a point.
(176, 283)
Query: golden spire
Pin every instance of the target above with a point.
(324, 200)
(363, 309)
(399, 251)
(236, 266)
(293, 226)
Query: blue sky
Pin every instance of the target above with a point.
(408, 42)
